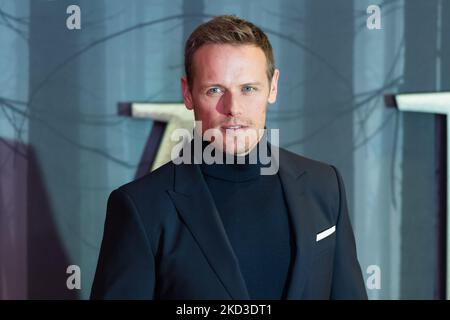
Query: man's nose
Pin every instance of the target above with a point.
(231, 104)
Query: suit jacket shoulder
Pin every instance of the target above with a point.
(322, 178)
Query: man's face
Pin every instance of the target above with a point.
(230, 92)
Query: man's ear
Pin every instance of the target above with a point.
(274, 87)
(187, 97)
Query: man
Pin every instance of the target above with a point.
(226, 231)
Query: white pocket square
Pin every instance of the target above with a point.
(325, 233)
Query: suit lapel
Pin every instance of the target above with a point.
(294, 180)
(196, 207)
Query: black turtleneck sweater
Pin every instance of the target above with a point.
(256, 220)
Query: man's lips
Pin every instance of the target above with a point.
(230, 126)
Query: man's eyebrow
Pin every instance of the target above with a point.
(255, 83)
(209, 85)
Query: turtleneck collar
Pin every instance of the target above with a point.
(241, 169)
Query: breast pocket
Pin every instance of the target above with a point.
(323, 261)
(325, 240)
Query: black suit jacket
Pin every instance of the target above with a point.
(164, 239)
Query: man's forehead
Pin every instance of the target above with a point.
(213, 50)
(219, 63)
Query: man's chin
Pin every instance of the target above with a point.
(234, 142)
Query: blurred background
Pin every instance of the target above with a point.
(64, 148)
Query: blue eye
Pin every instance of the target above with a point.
(214, 90)
(248, 89)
